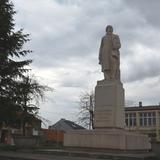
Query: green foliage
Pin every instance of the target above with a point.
(17, 90)
(11, 44)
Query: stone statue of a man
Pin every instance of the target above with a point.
(109, 55)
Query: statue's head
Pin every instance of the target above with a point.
(109, 29)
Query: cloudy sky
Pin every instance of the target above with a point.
(65, 37)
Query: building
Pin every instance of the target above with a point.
(65, 125)
(55, 133)
(10, 132)
(144, 119)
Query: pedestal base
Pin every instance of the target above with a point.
(116, 139)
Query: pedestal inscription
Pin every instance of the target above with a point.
(109, 104)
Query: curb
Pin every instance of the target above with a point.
(98, 155)
(15, 158)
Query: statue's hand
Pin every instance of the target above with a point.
(115, 54)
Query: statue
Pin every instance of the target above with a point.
(109, 55)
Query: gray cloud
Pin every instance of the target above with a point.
(66, 36)
(147, 9)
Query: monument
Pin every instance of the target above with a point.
(109, 124)
(109, 93)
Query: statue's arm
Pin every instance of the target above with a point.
(117, 43)
(100, 52)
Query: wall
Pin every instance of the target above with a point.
(52, 135)
(26, 141)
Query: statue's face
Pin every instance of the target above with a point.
(109, 29)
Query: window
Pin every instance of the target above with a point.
(127, 119)
(147, 119)
(130, 119)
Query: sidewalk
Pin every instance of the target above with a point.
(71, 155)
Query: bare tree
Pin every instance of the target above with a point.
(86, 104)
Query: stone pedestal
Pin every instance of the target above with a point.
(109, 104)
(109, 132)
(109, 139)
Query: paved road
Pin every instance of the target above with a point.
(54, 158)
(30, 156)
(68, 155)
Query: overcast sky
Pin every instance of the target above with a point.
(65, 37)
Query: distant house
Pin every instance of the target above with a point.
(65, 125)
(55, 133)
(31, 129)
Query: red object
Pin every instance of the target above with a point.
(53, 135)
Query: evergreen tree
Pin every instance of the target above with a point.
(12, 71)
(29, 91)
